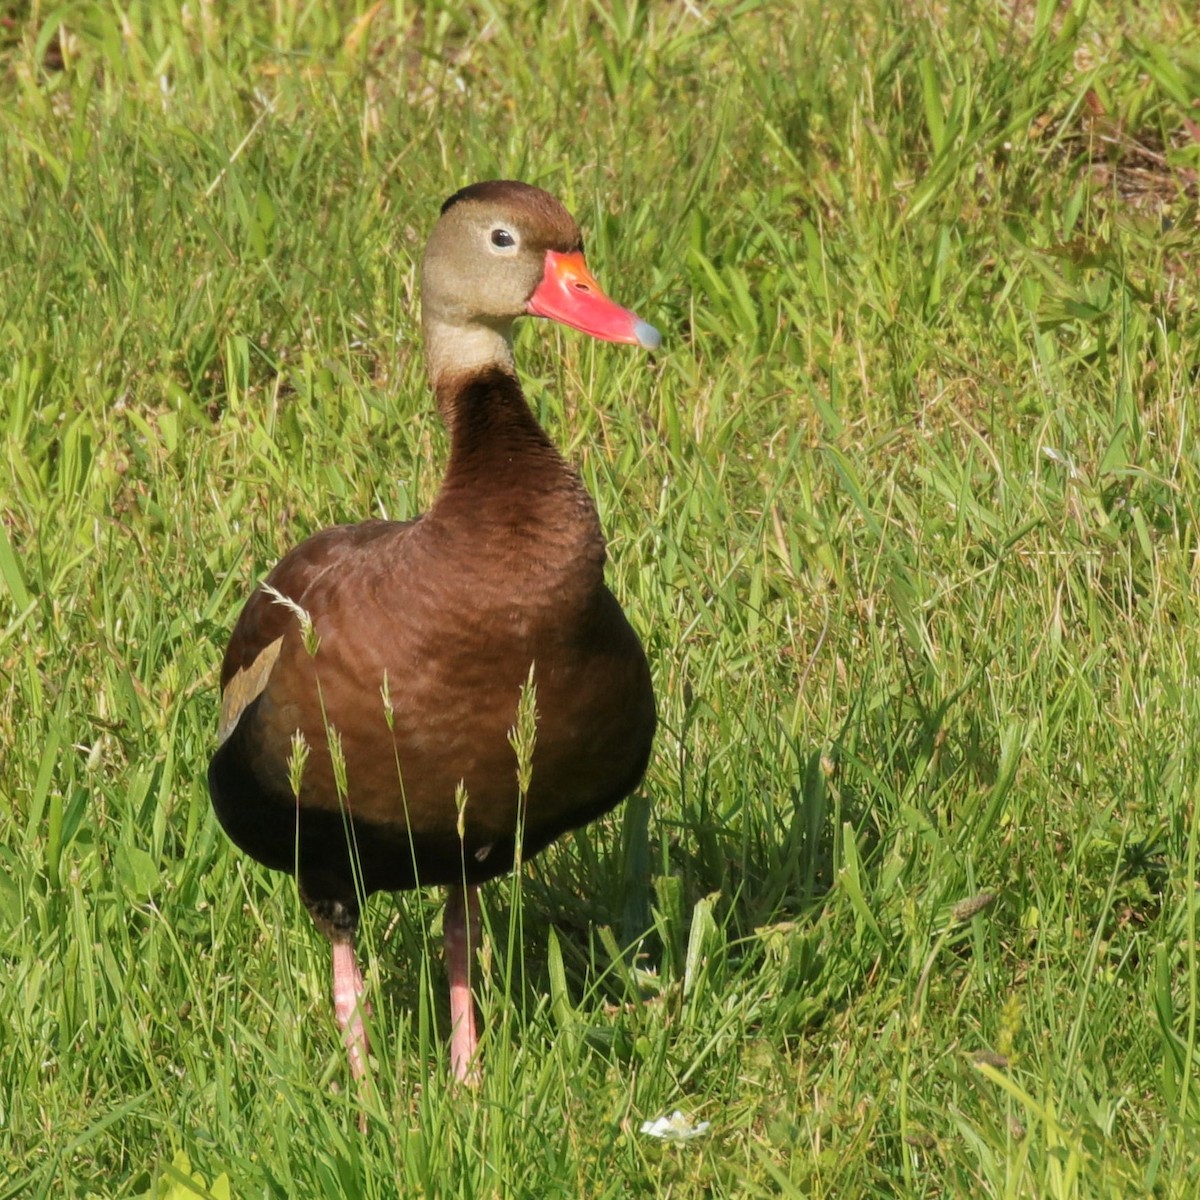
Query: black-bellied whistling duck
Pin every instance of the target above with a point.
(411, 641)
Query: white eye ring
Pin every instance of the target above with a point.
(503, 241)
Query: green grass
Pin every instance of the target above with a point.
(907, 511)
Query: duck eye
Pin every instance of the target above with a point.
(503, 239)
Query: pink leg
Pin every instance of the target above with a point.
(461, 927)
(349, 1006)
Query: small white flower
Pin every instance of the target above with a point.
(675, 1128)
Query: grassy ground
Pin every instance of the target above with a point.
(907, 511)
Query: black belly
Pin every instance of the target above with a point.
(324, 848)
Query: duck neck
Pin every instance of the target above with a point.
(480, 399)
(503, 468)
(454, 352)
(495, 440)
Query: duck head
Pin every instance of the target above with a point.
(501, 250)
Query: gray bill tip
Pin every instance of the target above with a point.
(647, 335)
